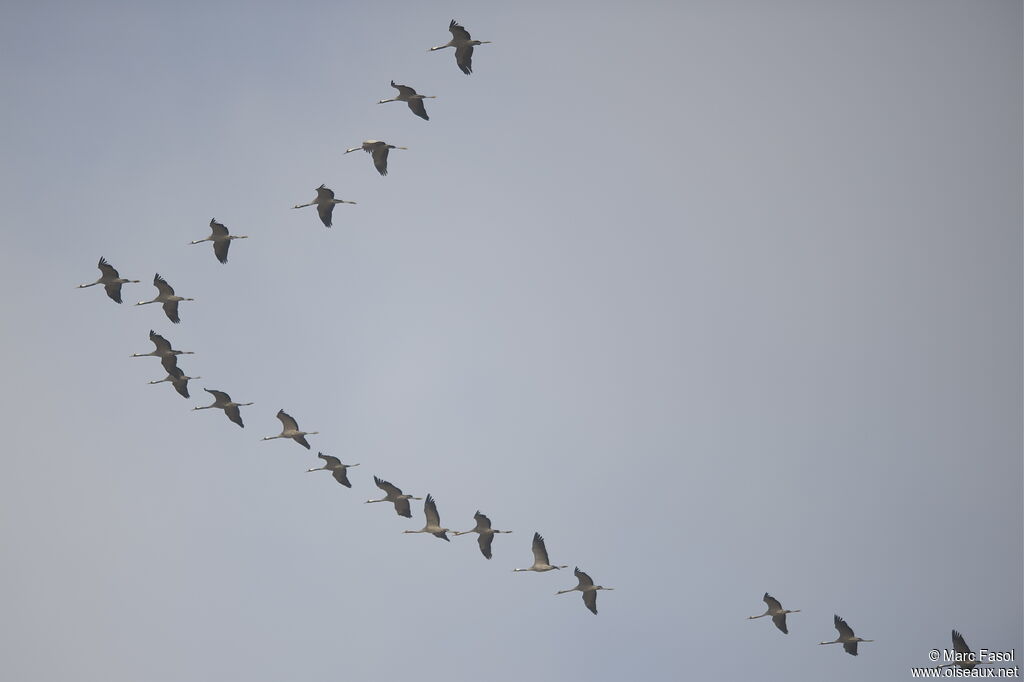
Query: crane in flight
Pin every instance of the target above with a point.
(166, 296)
(222, 401)
(540, 557)
(394, 495)
(337, 469)
(588, 588)
(410, 97)
(220, 238)
(485, 533)
(463, 45)
(776, 611)
(111, 280)
(433, 521)
(324, 203)
(846, 637)
(291, 430)
(379, 151)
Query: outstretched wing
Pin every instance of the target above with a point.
(113, 291)
(540, 552)
(219, 229)
(844, 630)
(959, 645)
(107, 270)
(464, 58)
(325, 210)
(585, 580)
(389, 489)
(404, 91)
(171, 310)
(402, 508)
(341, 476)
(220, 250)
(324, 194)
(301, 440)
(417, 107)
(234, 414)
(330, 461)
(590, 599)
(780, 622)
(170, 363)
(380, 158)
(850, 647)
(221, 397)
(181, 385)
(482, 522)
(162, 286)
(163, 346)
(772, 602)
(430, 510)
(286, 420)
(485, 540)
(458, 32)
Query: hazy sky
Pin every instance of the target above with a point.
(720, 297)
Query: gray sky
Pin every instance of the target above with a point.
(721, 297)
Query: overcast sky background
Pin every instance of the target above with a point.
(720, 297)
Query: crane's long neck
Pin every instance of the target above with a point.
(761, 616)
(567, 591)
(83, 286)
(205, 407)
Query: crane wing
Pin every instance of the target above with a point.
(845, 630)
(341, 475)
(163, 346)
(221, 397)
(430, 510)
(170, 363)
(485, 540)
(323, 194)
(780, 622)
(162, 286)
(107, 270)
(590, 599)
(404, 91)
(234, 414)
(482, 522)
(772, 602)
(402, 508)
(113, 291)
(171, 310)
(959, 645)
(330, 461)
(389, 489)
(464, 58)
(219, 229)
(458, 32)
(286, 420)
(325, 210)
(850, 647)
(418, 108)
(220, 250)
(181, 385)
(301, 440)
(585, 580)
(540, 552)
(380, 158)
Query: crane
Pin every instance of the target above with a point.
(337, 469)
(463, 45)
(223, 401)
(540, 557)
(776, 611)
(379, 151)
(588, 588)
(394, 495)
(167, 298)
(433, 521)
(221, 240)
(111, 280)
(324, 203)
(291, 430)
(846, 637)
(409, 96)
(177, 379)
(485, 533)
